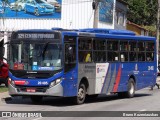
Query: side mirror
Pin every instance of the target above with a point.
(2, 50)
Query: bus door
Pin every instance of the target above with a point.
(70, 65)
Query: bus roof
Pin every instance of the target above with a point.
(34, 30)
(109, 33)
(94, 32)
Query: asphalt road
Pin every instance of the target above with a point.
(144, 100)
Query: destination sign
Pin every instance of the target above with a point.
(35, 36)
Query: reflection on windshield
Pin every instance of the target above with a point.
(36, 56)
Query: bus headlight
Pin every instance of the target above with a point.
(10, 81)
(55, 82)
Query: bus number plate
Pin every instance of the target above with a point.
(31, 90)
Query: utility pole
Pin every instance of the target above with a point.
(158, 26)
(96, 10)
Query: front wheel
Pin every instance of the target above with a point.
(80, 98)
(19, 8)
(25, 10)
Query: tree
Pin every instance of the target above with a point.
(142, 12)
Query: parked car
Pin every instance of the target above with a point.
(56, 4)
(38, 7)
(18, 5)
(4, 73)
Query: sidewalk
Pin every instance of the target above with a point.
(5, 96)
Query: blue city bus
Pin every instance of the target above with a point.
(80, 63)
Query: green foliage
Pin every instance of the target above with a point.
(3, 89)
(142, 12)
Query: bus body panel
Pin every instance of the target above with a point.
(114, 77)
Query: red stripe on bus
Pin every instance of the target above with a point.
(22, 82)
(117, 80)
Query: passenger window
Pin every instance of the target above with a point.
(123, 51)
(132, 51)
(99, 44)
(150, 51)
(113, 56)
(123, 45)
(141, 46)
(85, 49)
(112, 45)
(141, 51)
(113, 52)
(132, 56)
(99, 56)
(141, 56)
(99, 50)
(133, 46)
(70, 53)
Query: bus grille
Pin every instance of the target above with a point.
(37, 89)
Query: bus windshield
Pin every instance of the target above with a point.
(35, 56)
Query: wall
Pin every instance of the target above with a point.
(120, 15)
(74, 14)
(137, 29)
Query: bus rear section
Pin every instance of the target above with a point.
(115, 62)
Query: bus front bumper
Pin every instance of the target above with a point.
(56, 90)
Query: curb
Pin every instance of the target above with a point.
(5, 96)
(6, 99)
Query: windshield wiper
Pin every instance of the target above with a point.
(44, 49)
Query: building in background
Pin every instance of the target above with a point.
(69, 14)
(120, 15)
(137, 29)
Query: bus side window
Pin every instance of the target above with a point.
(70, 53)
(123, 50)
(150, 51)
(132, 51)
(85, 50)
(99, 50)
(112, 48)
(141, 51)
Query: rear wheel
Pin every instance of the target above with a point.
(36, 99)
(80, 98)
(131, 88)
(36, 12)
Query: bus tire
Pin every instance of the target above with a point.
(131, 88)
(92, 96)
(81, 96)
(36, 99)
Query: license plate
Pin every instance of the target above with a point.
(31, 90)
